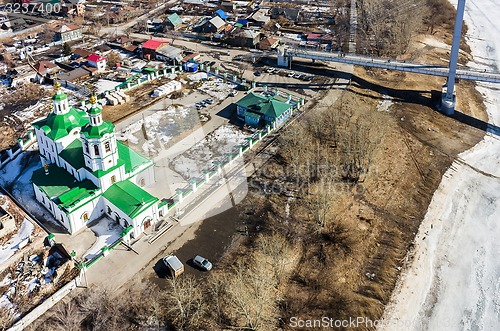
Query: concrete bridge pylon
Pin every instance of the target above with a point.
(448, 97)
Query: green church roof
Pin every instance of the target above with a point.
(73, 154)
(59, 96)
(132, 159)
(90, 131)
(251, 99)
(261, 104)
(60, 186)
(95, 110)
(129, 198)
(59, 126)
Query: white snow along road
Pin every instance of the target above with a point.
(453, 282)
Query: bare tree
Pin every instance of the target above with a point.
(387, 26)
(322, 197)
(277, 250)
(6, 318)
(252, 296)
(185, 305)
(297, 151)
(112, 59)
(67, 316)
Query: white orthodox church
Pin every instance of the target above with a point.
(87, 173)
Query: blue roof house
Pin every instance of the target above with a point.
(221, 14)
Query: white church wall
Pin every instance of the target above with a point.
(65, 141)
(147, 174)
(94, 209)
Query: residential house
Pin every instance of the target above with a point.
(97, 61)
(169, 54)
(195, 2)
(45, 70)
(22, 74)
(75, 75)
(73, 7)
(80, 53)
(191, 57)
(228, 6)
(65, 31)
(256, 109)
(149, 48)
(155, 25)
(173, 22)
(244, 38)
(13, 25)
(241, 23)
(269, 43)
(221, 14)
(123, 43)
(7, 223)
(213, 25)
(260, 17)
(291, 14)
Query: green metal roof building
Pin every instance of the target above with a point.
(173, 22)
(256, 109)
(87, 174)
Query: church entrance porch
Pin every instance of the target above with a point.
(146, 226)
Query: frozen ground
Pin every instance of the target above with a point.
(453, 282)
(107, 232)
(385, 103)
(160, 128)
(22, 188)
(192, 162)
(104, 85)
(17, 241)
(217, 88)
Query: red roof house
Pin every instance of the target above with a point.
(149, 48)
(97, 61)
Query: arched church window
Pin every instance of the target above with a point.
(107, 146)
(96, 149)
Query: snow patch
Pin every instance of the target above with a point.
(107, 232)
(210, 149)
(17, 241)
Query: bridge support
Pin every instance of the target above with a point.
(447, 106)
(448, 99)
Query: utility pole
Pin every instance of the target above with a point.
(448, 98)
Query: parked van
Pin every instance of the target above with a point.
(174, 265)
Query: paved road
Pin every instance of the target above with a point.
(120, 30)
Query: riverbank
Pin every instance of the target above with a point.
(453, 281)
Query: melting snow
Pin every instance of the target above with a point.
(17, 241)
(107, 232)
(212, 148)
